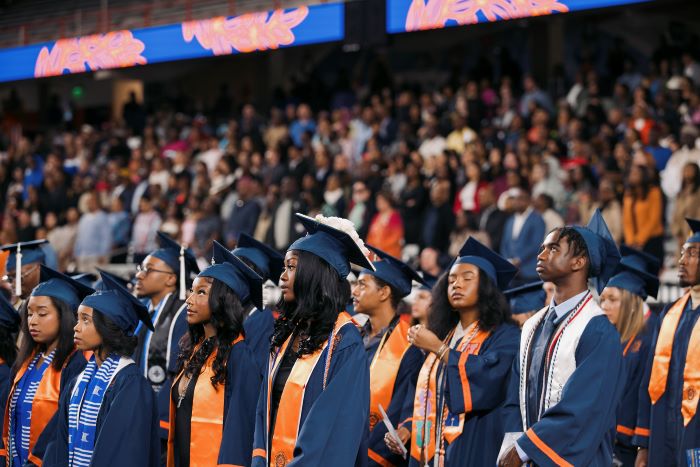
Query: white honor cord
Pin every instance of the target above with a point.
(18, 271)
(182, 273)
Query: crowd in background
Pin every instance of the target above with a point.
(417, 170)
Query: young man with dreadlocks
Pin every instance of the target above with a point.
(568, 378)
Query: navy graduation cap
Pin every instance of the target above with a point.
(59, 286)
(179, 258)
(117, 303)
(526, 298)
(428, 282)
(636, 273)
(9, 318)
(333, 245)
(694, 225)
(268, 260)
(233, 272)
(85, 278)
(602, 251)
(394, 272)
(23, 253)
(499, 269)
(640, 260)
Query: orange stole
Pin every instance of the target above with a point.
(292, 399)
(384, 368)
(662, 360)
(424, 405)
(207, 422)
(44, 406)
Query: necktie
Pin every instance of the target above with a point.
(534, 376)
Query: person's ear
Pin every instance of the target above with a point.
(578, 263)
(384, 293)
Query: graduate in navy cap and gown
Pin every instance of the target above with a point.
(46, 362)
(162, 280)
(623, 303)
(526, 300)
(9, 326)
(260, 322)
(393, 361)
(108, 414)
(22, 269)
(668, 427)
(471, 342)
(213, 397)
(314, 400)
(568, 379)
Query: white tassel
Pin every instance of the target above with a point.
(182, 273)
(18, 271)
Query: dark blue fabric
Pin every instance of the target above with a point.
(127, 425)
(258, 332)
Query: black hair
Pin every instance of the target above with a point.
(321, 294)
(8, 350)
(548, 200)
(494, 309)
(227, 316)
(65, 346)
(114, 338)
(396, 297)
(577, 245)
(696, 177)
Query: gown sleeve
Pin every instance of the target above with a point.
(243, 386)
(478, 382)
(570, 432)
(405, 384)
(512, 419)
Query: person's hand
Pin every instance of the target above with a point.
(510, 459)
(424, 338)
(404, 436)
(642, 458)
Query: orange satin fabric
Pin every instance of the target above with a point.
(207, 422)
(289, 410)
(662, 360)
(44, 406)
(384, 368)
(424, 408)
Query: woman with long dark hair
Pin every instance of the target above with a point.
(108, 414)
(314, 402)
(46, 362)
(462, 384)
(213, 397)
(622, 301)
(9, 326)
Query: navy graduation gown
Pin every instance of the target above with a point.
(258, 332)
(177, 328)
(580, 428)
(404, 385)
(634, 356)
(487, 377)
(669, 440)
(126, 425)
(5, 384)
(240, 398)
(334, 422)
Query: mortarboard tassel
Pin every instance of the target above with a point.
(182, 273)
(18, 271)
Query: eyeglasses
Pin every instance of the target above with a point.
(13, 277)
(147, 270)
(690, 252)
